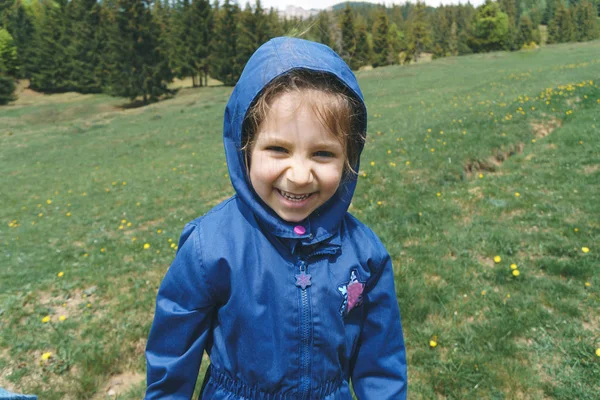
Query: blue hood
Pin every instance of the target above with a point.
(272, 59)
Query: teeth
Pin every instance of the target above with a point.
(294, 197)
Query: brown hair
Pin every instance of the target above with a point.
(334, 104)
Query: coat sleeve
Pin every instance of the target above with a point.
(182, 323)
(379, 366)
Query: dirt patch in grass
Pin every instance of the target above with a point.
(487, 262)
(590, 169)
(492, 163)
(71, 306)
(119, 384)
(542, 129)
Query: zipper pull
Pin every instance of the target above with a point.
(303, 279)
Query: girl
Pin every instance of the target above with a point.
(290, 295)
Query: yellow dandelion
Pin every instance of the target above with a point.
(598, 352)
(120, 226)
(159, 231)
(513, 266)
(138, 204)
(46, 319)
(146, 246)
(497, 259)
(587, 284)
(480, 176)
(102, 250)
(438, 194)
(516, 272)
(85, 254)
(84, 194)
(49, 201)
(432, 343)
(40, 214)
(123, 183)
(576, 230)
(389, 152)
(372, 163)
(62, 318)
(123, 221)
(432, 150)
(114, 183)
(129, 224)
(483, 292)
(379, 203)
(46, 356)
(60, 274)
(88, 305)
(585, 249)
(407, 163)
(517, 194)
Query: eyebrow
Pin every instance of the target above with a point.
(274, 140)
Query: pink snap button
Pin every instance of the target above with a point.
(299, 230)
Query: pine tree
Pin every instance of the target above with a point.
(549, 11)
(348, 47)
(362, 54)
(561, 28)
(323, 28)
(247, 40)
(202, 31)
(419, 35)
(138, 65)
(586, 23)
(181, 53)
(50, 66)
(440, 24)
(525, 32)
(8, 54)
(275, 28)
(396, 40)
(381, 40)
(19, 23)
(453, 40)
(263, 30)
(224, 62)
(85, 48)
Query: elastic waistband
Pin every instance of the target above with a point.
(244, 390)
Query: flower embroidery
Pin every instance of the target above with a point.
(352, 292)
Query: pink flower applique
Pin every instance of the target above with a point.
(352, 292)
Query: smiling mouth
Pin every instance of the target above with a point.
(294, 197)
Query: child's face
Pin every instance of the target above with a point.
(296, 164)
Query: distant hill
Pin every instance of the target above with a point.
(354, 4)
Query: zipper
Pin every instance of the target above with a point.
(303, 283)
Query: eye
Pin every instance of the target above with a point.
(277, 149)
(324, 153)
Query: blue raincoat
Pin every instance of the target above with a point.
(239, 286)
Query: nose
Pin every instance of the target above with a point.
(300, 172)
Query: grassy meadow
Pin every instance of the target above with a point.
(481, 175)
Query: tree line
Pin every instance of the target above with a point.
(134, 48)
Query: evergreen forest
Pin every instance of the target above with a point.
(135, 48)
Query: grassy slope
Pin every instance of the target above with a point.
(133, 177)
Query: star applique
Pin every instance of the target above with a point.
(303, 280)
(352, 292)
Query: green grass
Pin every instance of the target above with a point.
(133, 177)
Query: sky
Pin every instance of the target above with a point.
(321, 4)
